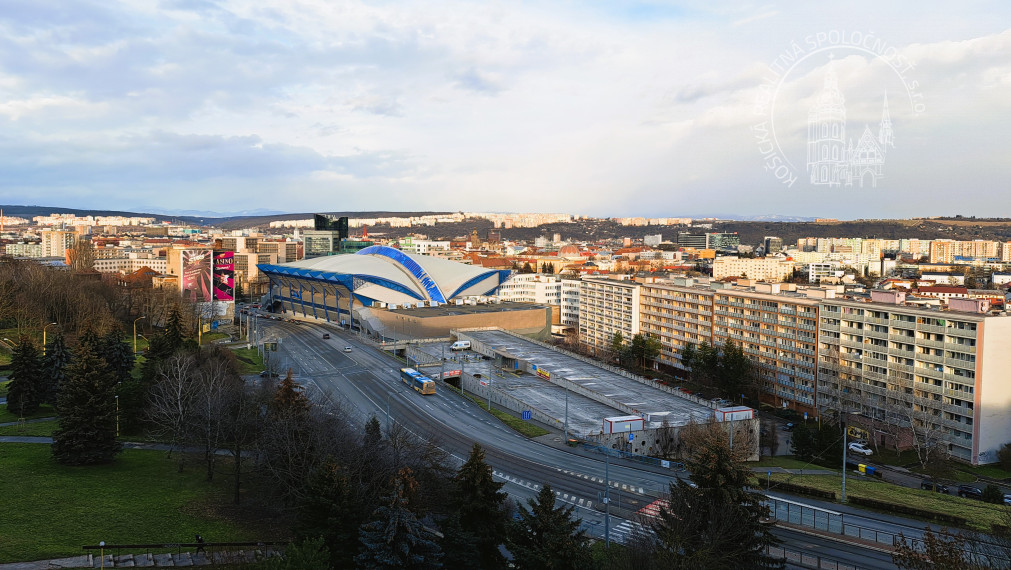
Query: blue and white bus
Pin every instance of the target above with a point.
(417, 380)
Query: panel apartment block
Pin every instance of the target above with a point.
(678, 314)
(779, 331)
(947, 373)
(607, 306)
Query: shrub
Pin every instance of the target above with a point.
(993, 494)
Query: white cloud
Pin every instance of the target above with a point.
(616, 108)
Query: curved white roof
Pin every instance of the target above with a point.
(388, 274)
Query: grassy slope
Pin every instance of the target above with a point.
(31, 429)
(979, 514)
(141, 498)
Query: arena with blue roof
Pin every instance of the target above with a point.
(331, 287)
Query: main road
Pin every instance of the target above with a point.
(368, 380)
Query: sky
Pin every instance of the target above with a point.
(597, 108)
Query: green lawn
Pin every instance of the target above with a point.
(50, 510)
(210, 337)
(31, 429)
(44, 411)
(249, 359)
(784, 461)
(992, 471)
(3, 388)
(979, 514)
(524, 427)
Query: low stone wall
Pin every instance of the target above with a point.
(646, 442)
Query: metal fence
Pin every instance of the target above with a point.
(826, 520)
(798, 558)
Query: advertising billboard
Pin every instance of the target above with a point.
(196, 274)
(224, 276)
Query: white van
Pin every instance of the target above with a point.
(460, 345)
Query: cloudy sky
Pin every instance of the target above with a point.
(600, 108)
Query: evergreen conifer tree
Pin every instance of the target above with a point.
(54, 368)
(87, 431)
(290, 399)
(718, 522)
(25, 391)
(394, 538)
(547, 537)
(118, 354)
(164, 345)
(481, 508)
(459, 547)
(332, 511)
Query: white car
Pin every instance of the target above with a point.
(857, 447)
(347, 349)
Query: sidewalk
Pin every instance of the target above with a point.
(177, 559)
(793, 471)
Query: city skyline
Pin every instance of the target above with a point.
(630, 109)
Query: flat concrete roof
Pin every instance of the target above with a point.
(585, 414)
(451, 309)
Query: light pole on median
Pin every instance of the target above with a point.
(135, 333)
(44, 337)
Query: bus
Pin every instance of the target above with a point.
(417, 380)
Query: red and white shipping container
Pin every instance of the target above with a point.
(733, 413)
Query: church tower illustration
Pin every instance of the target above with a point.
(831, 159)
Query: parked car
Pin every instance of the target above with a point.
(928, 485)
(326, 336)
(857, 447)
(1007, 500)
(970, 492)
(347, 349)
(788, 426)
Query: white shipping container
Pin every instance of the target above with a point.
(734, 413)
(620, 424)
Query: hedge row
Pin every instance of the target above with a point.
(804, 490)
(907, 510)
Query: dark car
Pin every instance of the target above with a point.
(326, 336)
(970, 492)
(788, 426)
(928, 485)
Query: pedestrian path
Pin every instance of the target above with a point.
(31, 421)
(793, 471)
(165, 560)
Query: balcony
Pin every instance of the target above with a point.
(924, 357)
(931, 328)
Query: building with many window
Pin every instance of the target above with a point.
(945, 375)
(678, 313)
(778, 331)
(606, 307)
(773, 269)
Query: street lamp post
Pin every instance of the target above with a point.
(845, 444)
(117, 415)
(135, 333)
(44, 337)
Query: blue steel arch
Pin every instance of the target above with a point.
(344, 279)
(419, 273)
(503, 274)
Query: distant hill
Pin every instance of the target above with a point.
(593, 230)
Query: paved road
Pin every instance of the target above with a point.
(368, 379)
